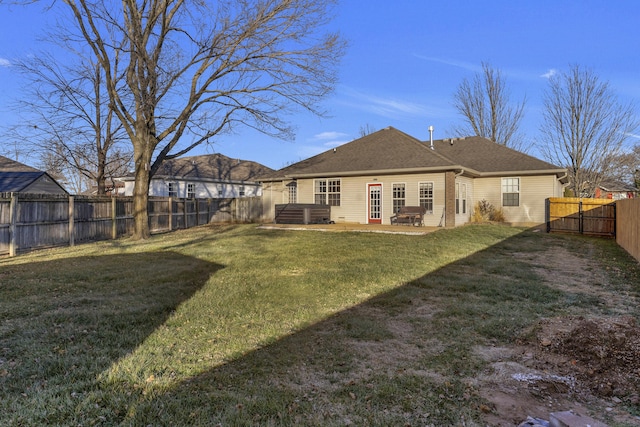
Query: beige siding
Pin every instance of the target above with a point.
(273, 193)
(465, 209)
(354, 196)
(534, 190)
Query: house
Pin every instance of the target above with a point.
(206, 176)
(366, 180)
(16, 177)
(615, 190)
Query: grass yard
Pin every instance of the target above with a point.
(239, 326)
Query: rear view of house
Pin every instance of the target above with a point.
(367, 180)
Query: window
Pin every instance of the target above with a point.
(173, 189)
(510, 191)
(191, 191)
(457, 198)
(398, 197)
(241, 191)
(293, 192)
(327, 192)
(463, 197)
(426, 196)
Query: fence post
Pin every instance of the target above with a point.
(71, 224)
(184, 213)
(580, 218)
(170, 213)
(114, 224)
(13, 218)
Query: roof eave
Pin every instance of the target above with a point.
(372, 172)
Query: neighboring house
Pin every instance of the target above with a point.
(206, 176)
(365, 181)
(615, 190)
(16, 177)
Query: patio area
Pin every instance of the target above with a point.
(353, 227)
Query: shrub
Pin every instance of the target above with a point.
(485, 211)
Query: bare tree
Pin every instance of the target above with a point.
(366, 130)
(626, 167)
(485, 105)
(584, 127)
(195, 69)
(67, 118)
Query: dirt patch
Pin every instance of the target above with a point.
(589, 365)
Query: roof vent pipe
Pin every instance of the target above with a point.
(431, 137)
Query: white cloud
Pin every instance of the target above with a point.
(460, 64)
(552, 72)
(329, 135)
(384, 106)
(5, 62)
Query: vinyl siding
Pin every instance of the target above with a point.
(534, 190)
(203, 190)
(354, 196)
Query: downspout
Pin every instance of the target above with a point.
(563, 185)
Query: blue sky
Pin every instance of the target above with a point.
(405, 60)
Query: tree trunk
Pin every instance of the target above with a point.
(142, 155)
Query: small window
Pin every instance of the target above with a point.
(173, 189)
(241, 191)
(398, 197)
(191, 191)
(510, 191)
(463, 196)
(426, 196)
(293, 192)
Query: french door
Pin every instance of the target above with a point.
(375, 203)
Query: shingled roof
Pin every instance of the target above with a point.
(386, 150)
(8, 165)
(486, 157)
(211, 167)
(392, 151)
(17, 177)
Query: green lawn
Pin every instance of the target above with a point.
(234, 325)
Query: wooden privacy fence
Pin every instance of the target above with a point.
(628, 226)
(33, 221)
(584, 216)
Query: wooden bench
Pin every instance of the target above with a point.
(410, 215)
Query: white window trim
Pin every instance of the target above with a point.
(393, 198)
(327, 192)
(519, 192)
(173, 184)
(433, 195)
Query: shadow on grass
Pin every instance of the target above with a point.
(67, 328)
(401, 358)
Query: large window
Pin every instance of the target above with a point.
(426, 196)
(398, 197)
(191, 191)
(327, 192)
(510, 191)
(173, 189)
